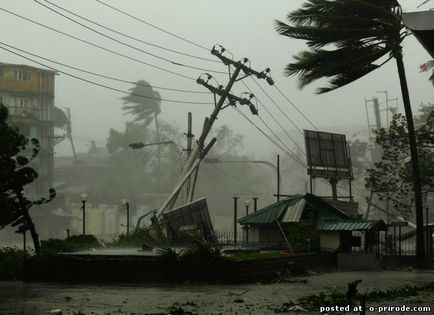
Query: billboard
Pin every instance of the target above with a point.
(327, 154)
(191, 219)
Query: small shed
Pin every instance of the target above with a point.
(327, 223)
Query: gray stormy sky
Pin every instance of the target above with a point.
(244, 27)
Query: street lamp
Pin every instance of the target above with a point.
(126, 204)
(269, 164)
(247, 205)
(141, 145)
(83, 197)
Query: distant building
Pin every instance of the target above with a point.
(28, 93)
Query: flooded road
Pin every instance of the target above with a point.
(39, 299)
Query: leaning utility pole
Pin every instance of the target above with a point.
(224, 94)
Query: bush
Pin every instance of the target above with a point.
(202, 253)
(201, 261)
(70, 244)
(11, 263)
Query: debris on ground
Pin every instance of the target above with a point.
(238, 293)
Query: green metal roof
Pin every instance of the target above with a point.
(270, 213)
(348, 225)
(325, 210)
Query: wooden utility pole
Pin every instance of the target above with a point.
(199, 152)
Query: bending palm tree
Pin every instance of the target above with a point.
(145, 104)
(360, 33)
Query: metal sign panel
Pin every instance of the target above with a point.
(191, 219)
(327, 154)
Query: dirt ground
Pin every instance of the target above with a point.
(41, 299)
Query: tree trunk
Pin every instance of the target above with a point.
(420, 246)
(29, 222)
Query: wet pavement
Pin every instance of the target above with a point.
(38, 299)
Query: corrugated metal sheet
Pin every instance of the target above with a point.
(349, 208)
(349, 225)
(325, 210)
(270, 213)
(294, 212)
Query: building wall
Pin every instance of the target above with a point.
(263, 234)
(330, 240)
(26, 80)
(28, 93)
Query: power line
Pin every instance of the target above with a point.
(153, 26)
(277, 105)
(282, 148)
(101, 75)
(296, 108)
(102, 85)
(132, 37)
(128, 45)
(200, 46)
(98, 46)
(243, 182)
(275, 119)
(280, 140)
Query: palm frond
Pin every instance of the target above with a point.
(347, 77)
(318, 63)
(360, 32)
(319, 37)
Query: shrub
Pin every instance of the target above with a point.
(11, 263)
(70, 244)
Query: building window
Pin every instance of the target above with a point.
(23, 75)
(1, 71)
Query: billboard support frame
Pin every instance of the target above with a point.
(328, 156)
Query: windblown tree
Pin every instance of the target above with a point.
(144, 103)
(357, 33)
(14, 175)
(391, 177)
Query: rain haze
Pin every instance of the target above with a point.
(189, 225)
(244, 28)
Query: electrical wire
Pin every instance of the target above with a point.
(200, 46)
(153, 26)
(277, 105)
(132, 37)
(280, 140)
(282, 148)
(275, 119)
(229, 175)
(104, 76)
(102, 85)
(98, 46)
(128, 45)
(295, 107)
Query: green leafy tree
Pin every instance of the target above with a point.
(14, 175)
(391, 177)
(359, 32)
